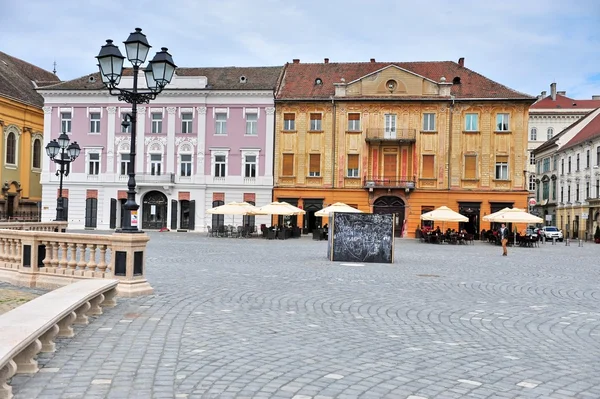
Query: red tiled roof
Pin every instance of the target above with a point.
(564, 102)
(298, 80)
(590, 131)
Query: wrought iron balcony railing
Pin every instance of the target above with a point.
(399, 135)
(150, 178)
(406, 182)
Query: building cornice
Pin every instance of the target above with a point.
(174, 93)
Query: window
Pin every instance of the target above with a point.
(587, 159)
(11, 149)
(353, 165)
(221, 123)
(597, 188)
(554, 190)
(220, 165)
(314, 165)
(546, 165)
(577, 192)
(569, 165)
(125, 158)
(587, 189)
(426, 223)
(577, 163)
(502, 122)
(569, 194)
(598, 156)
(428, 167)
(155, 164)
(315, 122)
(533, 134)
(289, 122)
(539, 167)
(65, 122)
(545, 190)
(390, 126)
(157, 122)
(95, 122)
(186, 123)
(125, 128)
(185, 165)
(37, 154)
(550, 133)
(251, 124)
(555, 163)
(471, 122)
(218, 220)
(470, 166)
(531, 158)
(288, 165)
(562, 195)
(429, 122)
(353, 122)
(94, 164)
(250, 166)
(531, 182)
(562, 166)
(501, 167)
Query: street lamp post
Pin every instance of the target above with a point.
(158, 73)
(68, 153)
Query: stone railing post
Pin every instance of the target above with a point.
(30, 262)
(128, 263)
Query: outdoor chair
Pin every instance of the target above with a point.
(209, 232)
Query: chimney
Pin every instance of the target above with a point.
(296, 60)
(562, 93)
(544, 94)
(372, 59)
(461, 61)
(553, 91)
(596, 97)
(326, 60)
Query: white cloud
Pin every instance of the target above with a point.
(523, 44)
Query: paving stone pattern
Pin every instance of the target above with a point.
(12, 297)
(236, 318)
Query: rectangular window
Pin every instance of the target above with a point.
(539, 167)
(470, 166)
(221, 123)
(531, 182)
(429, 122)
(587, 189)
(250, 166)
(289, 121)
(555, 163)
(597, 188)
(569, 165)
(220, 163)
(155, 164)
(125, 123)
(598, 156)
(315, 122)
(288, 165)
(314, 167)
(531, 158)
(562, 195)
(546, 190)
(502, 123)
(353, 165)
(471, 122)
(354, 122)
(251, 124)
(587, 159)
(186, 165)
(187, 119)
(577, 192)
(157, 122)
(125, 164)
(65, 122)
(546, 165)
(501, 167)
(428, 167)
(577, 163)
(569, 194)
(390, 126)
(554, 190)
(95, 122)
(94, 164)
(562, 166)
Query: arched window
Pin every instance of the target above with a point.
(550, 133)
(533, 134)
(37, 154)
(11, 149)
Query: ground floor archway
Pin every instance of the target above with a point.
(154, 211)
(390, 204)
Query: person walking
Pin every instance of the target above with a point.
(504, 238)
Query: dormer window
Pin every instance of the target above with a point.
(456, 80)
(391, 85)
(243, 79)
(318, 82)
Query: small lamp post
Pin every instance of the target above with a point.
(68, 153)
(158, 73)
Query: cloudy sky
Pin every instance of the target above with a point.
(524, 44)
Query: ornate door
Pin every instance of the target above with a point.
(391, 205)
(154, 211)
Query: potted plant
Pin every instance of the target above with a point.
(597, 235)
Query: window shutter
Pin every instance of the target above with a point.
(502, 158)
(352, 161)
(289, 117)
(353, 117)
(470, 167)
(288, 164)
(428, 163)
(315, 163)
(315, 117)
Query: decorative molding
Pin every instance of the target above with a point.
(180, 140)
(141, 110)
(47, 110)
(186, 93)
(185, 147)
(201, 110)
(270, 110)
(161, 140)
(120, 139)
(12, 128)
(171, 110)
(111, 110)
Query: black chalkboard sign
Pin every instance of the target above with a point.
(361, 237)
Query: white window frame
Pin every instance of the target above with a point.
(36, 137)
(187, 124)
(532, 184)
(123, 118)
(95, 122)
(252, 125)
(88, 160)
(220, 124)
(429, 122)
(503, 122)
(289, 125)
(222, 170)
(474, 120)
(66, 124)
(190, 163)
(501, 167)
(531, 158)
(155, 162)
(156, 124)
(14, 130)
(390, 126)
(354, 124)
(314, 174)
(316, 125)
(123, 162)
(549, 133)
(246, 163)
(533, 134)
(213, 154)
(355, 172)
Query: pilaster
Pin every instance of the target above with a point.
(110, 141)
(47, 137)
(171, 140)
(140, 139)
(270, 132)
(201, 148)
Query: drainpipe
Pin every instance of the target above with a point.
(333, 160)
(448, 162)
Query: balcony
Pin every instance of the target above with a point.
(404, 182)
(399, 136)
(150, 179)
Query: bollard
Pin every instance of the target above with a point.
(553, 240)
(567, 243)
(580, 242)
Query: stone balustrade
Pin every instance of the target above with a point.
(32, 327)
(49, 260)
(34, 226)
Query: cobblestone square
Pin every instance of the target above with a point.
(251, 318)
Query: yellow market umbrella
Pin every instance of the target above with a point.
(232, 208)
(491, 215)
(337, 207)
(278, 208)
(444, 214)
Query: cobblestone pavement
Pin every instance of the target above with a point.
(236, 318)
(11, 296)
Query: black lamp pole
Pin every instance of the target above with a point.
(68, 153)
(159, 73)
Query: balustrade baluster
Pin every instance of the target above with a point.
(82, 263)
(48, 258)
(11, 257)
(91, 265)
(55, 254)
(73, 261)
(2, 249)
(17, 248)
(63, 255)
(102, 264)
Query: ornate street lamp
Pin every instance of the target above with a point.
(158, 73)
(68, 153)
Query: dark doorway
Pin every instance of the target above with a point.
(184, 214)
(122, 211)
(249, 221)
(311, 221)
(391, 205)
(10, 206)
(91, 212)
(218, 221)
(292, 220)
(472, 211)
(154, 211)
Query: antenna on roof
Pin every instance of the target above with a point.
(54, 70)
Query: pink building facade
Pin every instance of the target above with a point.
(206, 140)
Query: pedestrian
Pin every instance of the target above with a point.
(504, 238)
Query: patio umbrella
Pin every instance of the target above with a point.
(232, 208)
(514, 215)
(278, 208)
(491, 215)
(337, 207)
(444, 214)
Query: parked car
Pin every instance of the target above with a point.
(550, 232)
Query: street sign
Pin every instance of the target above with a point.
(585, 215)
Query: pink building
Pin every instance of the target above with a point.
(206, 140)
